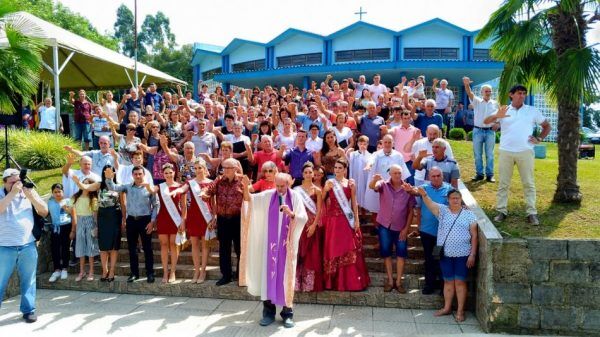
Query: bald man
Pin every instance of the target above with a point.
(277, 218)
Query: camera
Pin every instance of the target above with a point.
(23, 178)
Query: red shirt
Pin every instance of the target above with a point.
(263, 185)
(261, 157)
(82, 111)
(230, 195)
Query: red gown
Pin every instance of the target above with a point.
(164, 223)
(309, 268)
(344, 264)
(196, 224)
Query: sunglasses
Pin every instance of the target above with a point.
(268, 171)
(129, 129)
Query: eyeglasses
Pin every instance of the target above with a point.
(129, 129)
(268, 171)
(155, 127)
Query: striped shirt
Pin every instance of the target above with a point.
(16, 222)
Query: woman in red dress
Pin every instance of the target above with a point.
(309, 268)
(167, 228)
(344, 263)
(196, 223)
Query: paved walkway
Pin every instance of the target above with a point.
(68, 313)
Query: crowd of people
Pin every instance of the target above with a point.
(307, 165)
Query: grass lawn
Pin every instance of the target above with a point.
(557, 220)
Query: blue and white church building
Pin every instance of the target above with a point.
(435, 48)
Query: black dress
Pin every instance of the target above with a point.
(109, 220)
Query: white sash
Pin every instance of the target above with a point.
(169, 204)
(343, 201)
(195, 187)
(308, 202)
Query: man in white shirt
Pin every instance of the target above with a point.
(314, 143)
(444, 101)
(517, 122)
(85, 171)
(484, 135)
(360, 86)
(418, 144)
(377, 89)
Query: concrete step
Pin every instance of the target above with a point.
(373, 296)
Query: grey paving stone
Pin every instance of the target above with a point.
(395, 328)
(237, 305)
(352, 312)
(442, 329)
(393, 315)
(426, 316)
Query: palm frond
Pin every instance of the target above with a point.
(523, 39)
(577, 71)
(504, 18)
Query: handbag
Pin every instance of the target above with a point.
(438, 251)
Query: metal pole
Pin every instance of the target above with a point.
(56, 74)
(135, 45)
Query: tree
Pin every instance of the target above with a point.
(543, 45)
(124, 32)
(63, 17)
(20, 59)
(156, 32)
(175, 62)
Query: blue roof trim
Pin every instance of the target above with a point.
(208, 47)
(433, 22)
(358, 24)
(290, 33)
(236, 43)
(199, 52)
(357, 66)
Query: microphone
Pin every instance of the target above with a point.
(280, 202)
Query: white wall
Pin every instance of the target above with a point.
(364, 38)
(298, 44)
(246, 52)
(433, 36)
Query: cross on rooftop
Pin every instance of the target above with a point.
(360, 13)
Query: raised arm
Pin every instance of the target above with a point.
(501, 113)
(467, 83)
(68, 164)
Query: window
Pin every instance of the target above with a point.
(249, 65)
(362, 55)
(299, 60)
(482, 55)
(431, 53)
(206, 75)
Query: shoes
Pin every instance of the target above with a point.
(90, 277)
(79, 277)
(30, 317)
(533, 219)
(500, 217)
(288, 323)
(427, 291)
(400, 288)
(477, 178)
(150, 278)
(387, 287)
(266, 320)
(54, 277)
(490, 179)
(132, 278)
(110, 279)
(104, 278)
(64, 274)
(223, 281)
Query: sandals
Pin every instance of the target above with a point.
(90, 277)
(387, 287)
(202, 277)
(400, 287)
(80, 277)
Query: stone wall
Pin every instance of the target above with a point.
(542, 286)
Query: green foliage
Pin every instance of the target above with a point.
(38, 150)
(175, 62)
(457, 134)
(124, 30)
(470, 136)
(20, 61)
(498, 137)
(63, 17)
(156, 32)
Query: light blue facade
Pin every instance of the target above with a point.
(362, 44)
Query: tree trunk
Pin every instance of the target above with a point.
(568, 32)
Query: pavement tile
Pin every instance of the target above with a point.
(442, 329)
(393, 315)
(352, 312)
(396, 329)
(237, 306)
(426, 316)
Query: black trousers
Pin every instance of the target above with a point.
(432, 266)
(59, 245)
(228, 231)
(136, 227)
(269, 310)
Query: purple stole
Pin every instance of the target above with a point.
(277, 250)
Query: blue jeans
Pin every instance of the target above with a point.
(484, 140)
(389, 238)
(25, 258)
(82, 132)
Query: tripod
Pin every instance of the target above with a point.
(8, 157)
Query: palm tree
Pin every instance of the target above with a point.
(20, 59)
(543, 45)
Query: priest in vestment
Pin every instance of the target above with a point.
(272, 225)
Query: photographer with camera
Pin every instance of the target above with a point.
(17, 242)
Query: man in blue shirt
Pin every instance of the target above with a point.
(424, 119)
(437, 190)
(153, 98)
(17, 243)
(297, 157)
(312, 118)
(371, 125)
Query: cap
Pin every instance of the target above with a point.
(9, 173)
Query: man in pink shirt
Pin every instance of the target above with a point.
(394, 217)
(402, 135)
(266, 154)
